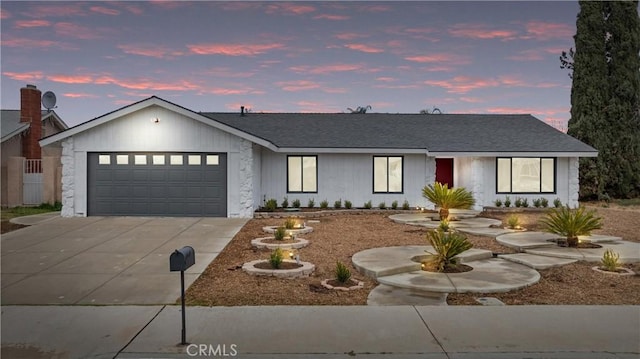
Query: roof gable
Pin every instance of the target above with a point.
(11, 125)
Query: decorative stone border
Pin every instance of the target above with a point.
(627, 271)
(359, 285)
(295, 232)
(304, 271)
(299, 243)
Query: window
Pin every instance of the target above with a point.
(525, 175)
(140, 159)
(387, 174)
(302, 174)
(158, 159)
(194, 160)
(104, 159)
(175, 159)
(122, 159)
(213, 160)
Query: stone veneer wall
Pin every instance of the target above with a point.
(246, 179)
(68, 180)
(429, 178)
(574, 181)
(477, 173)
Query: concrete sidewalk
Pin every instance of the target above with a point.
(322, 332)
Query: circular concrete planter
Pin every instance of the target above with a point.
(359, 285)
(304, 270)
(625, 271)
(298, 243)
(295, 232)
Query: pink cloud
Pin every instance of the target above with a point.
(385, 79)
(480, 31)
(228, 72)
(233, 49)
(29, 43)
(332, 17)
(334, 90)
(300, 85)
(4, 14)
(104, 10)
(71, 79)
(32, 23)
(471, 99)
(58, 9)
(327, 69)
(463, 84)
(75, 31)
(349, 36)
(24, 76)
(374, 8)
(159, 52)
(79, 95)
(540, 30)
(364, 48)
(448, 58)
(289, 8)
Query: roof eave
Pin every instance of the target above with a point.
(356, 150)
(515, 154)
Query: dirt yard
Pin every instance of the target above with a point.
(337, 238)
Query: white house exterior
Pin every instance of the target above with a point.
(157, 158)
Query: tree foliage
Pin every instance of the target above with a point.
(605, 98)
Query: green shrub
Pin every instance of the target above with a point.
(497, 202)
(446, 246)
(571, 223)
(537, 202)
(311, 203)
(348, 204)
(279, 233)
(342, 273)
(448, 198)
(557, 203)
(57, 206)
(405, 205)
(276, 258)
(513, 222)
(289, 223)
(296, 203)
(271, 205)
(610, 261)
(324, 204)
(525, 202)
(367, 204)
(544, 202)
(285, 203)
(394, 205)
(518, 202)
(507, 202)
(382, 205)
(337, 204)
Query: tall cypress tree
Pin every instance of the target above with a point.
(604, 97)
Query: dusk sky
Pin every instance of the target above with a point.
(462, 57)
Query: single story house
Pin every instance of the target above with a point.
(30, 174)
(156, 158)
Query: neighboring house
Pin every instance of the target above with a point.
(157, 158)
(30, 174)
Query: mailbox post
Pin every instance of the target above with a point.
(180, 260)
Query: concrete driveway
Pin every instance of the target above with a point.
(107, 260)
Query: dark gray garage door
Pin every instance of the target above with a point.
(157, 184)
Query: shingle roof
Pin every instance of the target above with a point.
(10, 122)
(435, 133)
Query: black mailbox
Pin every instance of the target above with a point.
(181, 259)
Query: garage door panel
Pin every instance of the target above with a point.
(147, 186)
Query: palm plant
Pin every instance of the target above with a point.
(448, 198)
(447, 246)
(571, 223)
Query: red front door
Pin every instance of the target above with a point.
(444, 171)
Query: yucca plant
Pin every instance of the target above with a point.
(275, 259)
(342, 273)
(448, 198)
(444, 225)
(610, 261)
(446, 246)
(289, 223)
(571, 223)
(513, 221)
(279, 233)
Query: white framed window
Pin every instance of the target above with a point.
(158, 159)
(175, 160)
(213, 160)
(140, 159)
(194, 160)
(122, 159)
(104, 159)
(525, 175)
(302, 174)
(388, 174)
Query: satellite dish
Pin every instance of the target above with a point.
(49, 100)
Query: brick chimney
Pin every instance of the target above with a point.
(30, 98)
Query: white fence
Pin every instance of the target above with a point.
(32, 186)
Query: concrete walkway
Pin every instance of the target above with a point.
(106, 260)
(462, 332)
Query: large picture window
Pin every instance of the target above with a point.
(302, 174)
(387, 174)
(526, 175)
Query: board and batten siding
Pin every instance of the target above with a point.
(345, 177)
(138, 132)
(478, 174)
